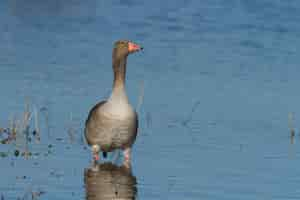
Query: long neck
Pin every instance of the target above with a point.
(118, 92)
(119, 67)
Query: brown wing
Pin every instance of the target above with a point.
(93, 110)
(92, 113)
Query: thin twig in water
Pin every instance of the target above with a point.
(141, 96)
(18, 136)
(12, 128)
(290, 124)
(190, 117)
(25, 128)
(36, 131)
(186, 122)
(45, 111)
(71, 130)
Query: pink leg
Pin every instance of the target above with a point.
(95, 152)
(127, 157)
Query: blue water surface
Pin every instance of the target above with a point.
(220, 79)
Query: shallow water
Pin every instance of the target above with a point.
(220, 79)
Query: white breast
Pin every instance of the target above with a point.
(118, 106)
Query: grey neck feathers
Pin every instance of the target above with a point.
(119, 67)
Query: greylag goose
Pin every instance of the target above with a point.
(113, 124)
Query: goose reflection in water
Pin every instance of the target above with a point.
(109, 181)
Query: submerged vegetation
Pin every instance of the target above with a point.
(21, 131)
(291, 126)
(27, 135)
(24, 131)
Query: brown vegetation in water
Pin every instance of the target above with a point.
(24, 130)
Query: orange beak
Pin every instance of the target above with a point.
(132, 47)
